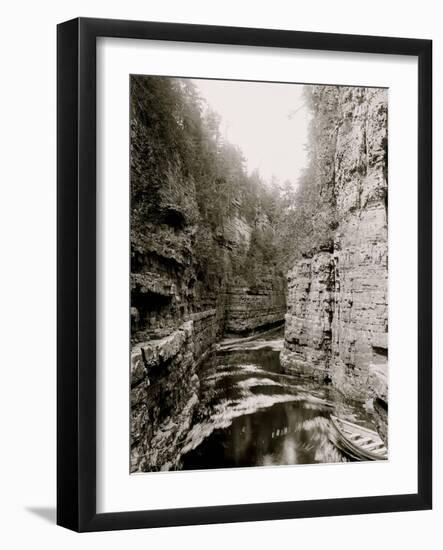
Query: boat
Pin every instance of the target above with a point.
(356, 441)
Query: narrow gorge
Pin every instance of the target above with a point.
(283, 288)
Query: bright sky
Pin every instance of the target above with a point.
(255, 116)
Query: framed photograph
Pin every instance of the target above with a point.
(244, 318)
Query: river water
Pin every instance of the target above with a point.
(253, 414)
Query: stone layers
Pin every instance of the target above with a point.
(337, 320)
(249, 309)
(308, 323)
(185, 254)
(164, 391)
(175, 338)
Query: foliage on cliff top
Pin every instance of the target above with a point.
(308, 217)
(184, 175)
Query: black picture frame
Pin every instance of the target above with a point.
(76, 281)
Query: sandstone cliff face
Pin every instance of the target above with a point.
(249, 309)
(256, 298)
(193, 217)
(177, 317)
(308, 323)
(235, 233)
(174, 326)
(337, 320)
(164, 391)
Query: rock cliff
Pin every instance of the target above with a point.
(189, 241)
(337, 319)
(249, 309)
(164, 391)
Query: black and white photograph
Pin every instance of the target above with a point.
(258, 273)
(222, 257)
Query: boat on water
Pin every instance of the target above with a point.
(356, 441)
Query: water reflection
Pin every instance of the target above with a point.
(252, 414)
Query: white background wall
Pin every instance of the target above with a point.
(27, 289)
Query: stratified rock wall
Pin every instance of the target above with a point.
(183, 256)
(164, 388)
(337, 321)
(256, 296)
(308, 326)
(236, 232)
(249, 309)
(176, 319)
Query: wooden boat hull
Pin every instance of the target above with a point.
(357, 442)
